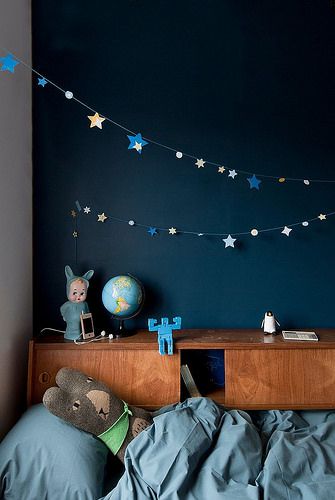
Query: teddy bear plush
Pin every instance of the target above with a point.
(91, 406)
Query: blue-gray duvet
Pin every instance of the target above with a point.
(197, 450)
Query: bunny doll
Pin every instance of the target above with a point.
(76, 291)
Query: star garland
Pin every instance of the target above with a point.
(137, 142)
(74, 215)
(229, 239)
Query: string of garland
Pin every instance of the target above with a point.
(229, 239)
(137, 142)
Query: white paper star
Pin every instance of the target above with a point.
(172, 230)
(322, 217)
(229, 242)
(200, 163)
(221, 170)
(232, 174)
(286, 231)
(87, 210)
(102, 217)
(138, 146)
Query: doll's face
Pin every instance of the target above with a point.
(78, 291)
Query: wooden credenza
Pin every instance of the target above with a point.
(261, 372)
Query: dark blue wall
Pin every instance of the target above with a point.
(248, 84)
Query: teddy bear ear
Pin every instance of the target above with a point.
(56, 401)
(87, 276)
(74, 381)
(68, 272)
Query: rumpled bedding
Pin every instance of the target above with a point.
(197, 450)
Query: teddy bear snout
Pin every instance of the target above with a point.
(101, 401)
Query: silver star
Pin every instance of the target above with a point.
(87, 210)
(172, 230)
(232, 174)
(286, 231)
(229, 242)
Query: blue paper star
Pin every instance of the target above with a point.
(42, 82)
(152, 231)
(254, 182)
(8, 63)
(136, 142)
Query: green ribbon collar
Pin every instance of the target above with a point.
(116, 434)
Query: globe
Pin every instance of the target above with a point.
(123, 297)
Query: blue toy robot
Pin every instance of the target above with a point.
(164, 333)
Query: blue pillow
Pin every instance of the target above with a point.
(44, 458)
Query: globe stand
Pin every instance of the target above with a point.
(122, 332)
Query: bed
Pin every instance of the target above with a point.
(194, 450)
(199, 448)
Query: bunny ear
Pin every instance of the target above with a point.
(87, 276)
(68, 272)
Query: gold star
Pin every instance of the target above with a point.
(138, 146)
(102, 217)
(172, 230)
(221, 170)
(322, 217)
(96, 120)
(73, 213)
(200, 163)
(75, 234)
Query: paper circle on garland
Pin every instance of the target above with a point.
(306, 182)
(305, 223)
(179, 154)
(68, 94)
(254, 232)
(282, 179)
(131, 223)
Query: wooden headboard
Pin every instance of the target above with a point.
(261, 372)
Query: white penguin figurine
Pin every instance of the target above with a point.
(269, 323)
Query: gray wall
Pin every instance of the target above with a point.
(15, 212)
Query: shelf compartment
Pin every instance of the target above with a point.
(207, 369)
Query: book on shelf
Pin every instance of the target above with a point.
(189, 382)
